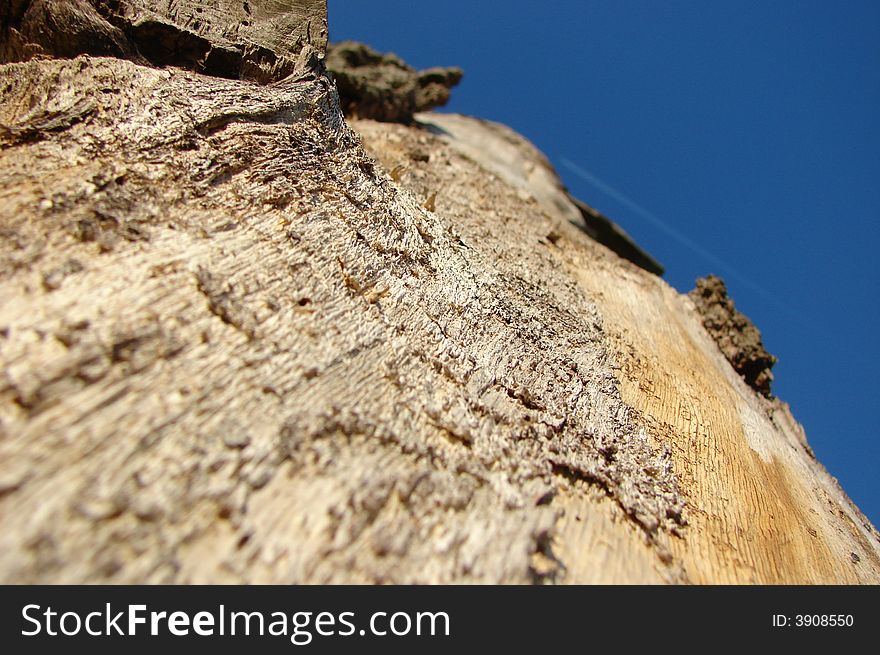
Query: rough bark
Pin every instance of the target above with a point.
(383, 87)
(256, 39)
(244, 343)
(735, 334)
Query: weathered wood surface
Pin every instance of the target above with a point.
(759, 508)
(238, 348)
(235, 350)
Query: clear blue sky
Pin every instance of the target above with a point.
(751, 129)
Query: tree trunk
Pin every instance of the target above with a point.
(244, 342)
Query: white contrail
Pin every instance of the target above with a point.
(683, 239)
